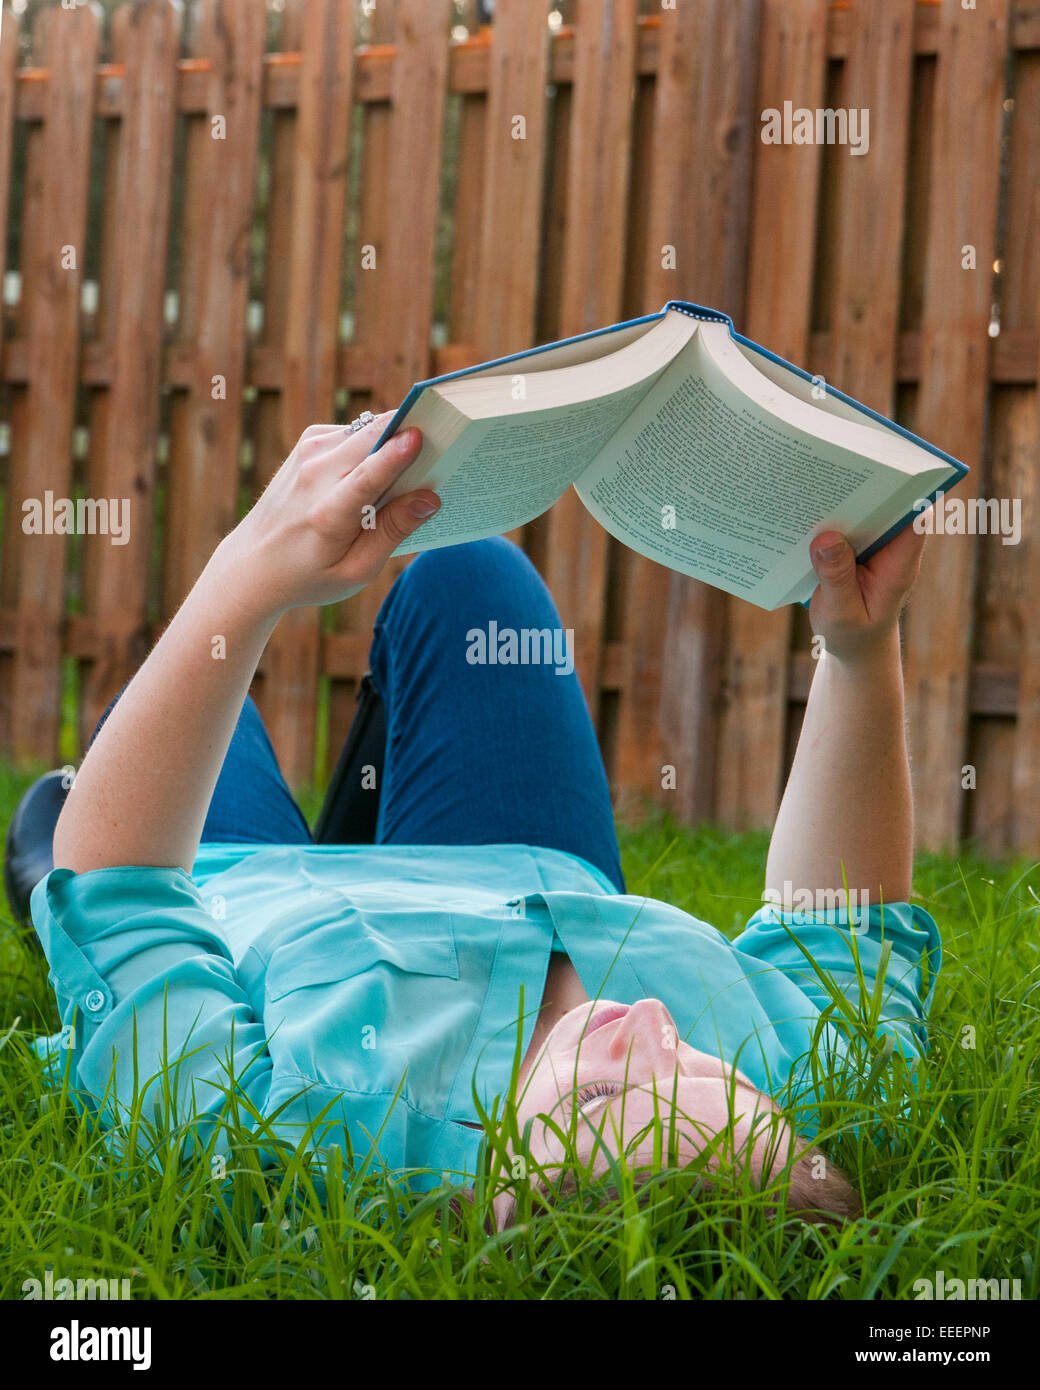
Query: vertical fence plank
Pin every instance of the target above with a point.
(751, 735)
(1021, 310)
(66, 44)
(352, 621)
(8, 62)
(399, 306)
(220, 182)
(125, 419)
(311, 339)
(8, 58)
(593, 271)
(374, 214)
(269, 446)
(703, 121)
(1002, 617)
(953, 395)
(873, 190)
(469, 192)
(513, 173)
(413, 176)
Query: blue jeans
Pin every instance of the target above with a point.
(476, 753)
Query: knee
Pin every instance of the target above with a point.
(461, 564)
(489, 578)
(488, 571)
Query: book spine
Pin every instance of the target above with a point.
(698, 311)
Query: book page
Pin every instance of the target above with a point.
(500, 473)
(703, 480)
(567, 353)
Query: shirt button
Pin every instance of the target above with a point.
(95, 1000)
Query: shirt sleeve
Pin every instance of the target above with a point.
(885, 964)
(149, 998)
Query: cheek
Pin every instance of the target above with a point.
(702, 1111)
(702, 1065)
(540, 1095)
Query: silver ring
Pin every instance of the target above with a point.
(365, 418)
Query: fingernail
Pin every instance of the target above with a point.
(406, 441)
(422, 508)
(831, 552)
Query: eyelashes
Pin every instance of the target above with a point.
(587, 1094)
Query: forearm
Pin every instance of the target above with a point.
(145, 785)
(847, 815)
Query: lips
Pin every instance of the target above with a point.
(608, 1014)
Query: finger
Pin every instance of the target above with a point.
(365, 482)
(394, 523)
(834, 561)
(338, 449)
(901, 556)
(361, 440)
(320, 436)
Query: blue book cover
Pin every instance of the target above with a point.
(632, 334)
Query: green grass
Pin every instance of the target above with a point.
(949, 1170)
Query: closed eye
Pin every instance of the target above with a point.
(586, 1095)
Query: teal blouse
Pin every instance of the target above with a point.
(322, 977)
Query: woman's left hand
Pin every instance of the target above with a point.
(313, 536)
(855, 608)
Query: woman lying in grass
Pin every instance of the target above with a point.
(372, 993)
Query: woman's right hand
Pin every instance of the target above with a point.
(313, 535)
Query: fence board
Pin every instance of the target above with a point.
(513, 172)
(870, 243)
(269, 446)
(311, 338)
(1001, 618)
(1020, 308)
(8, 58)
(466, 222)
(953, 395)
(400, 172)
(67, 44)
(593, 278)
(125, 418)
(220, 182)
(703, 120)
(751, 734)
(413, 179)
(397, 329)
(346, 647)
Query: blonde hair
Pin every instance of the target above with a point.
(827, 1196)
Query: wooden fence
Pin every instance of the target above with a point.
(642, 132)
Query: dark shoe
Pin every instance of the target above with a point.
(350, 810)
(29, 851)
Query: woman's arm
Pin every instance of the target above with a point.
(145, 785)
(847, 809)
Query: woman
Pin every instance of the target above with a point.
(373, 994)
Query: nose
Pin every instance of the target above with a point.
(647, 1028)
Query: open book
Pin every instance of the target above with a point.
(688, 442)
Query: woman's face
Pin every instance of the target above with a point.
(606, 1061)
